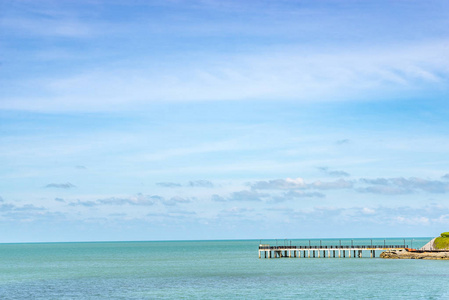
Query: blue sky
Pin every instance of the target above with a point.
(161, 120)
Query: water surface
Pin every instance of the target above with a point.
(210, 270)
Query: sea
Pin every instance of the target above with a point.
(229, 269)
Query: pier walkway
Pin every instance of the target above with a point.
(267, 251)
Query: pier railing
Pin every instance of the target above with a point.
(361, 247)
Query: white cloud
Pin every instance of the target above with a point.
(240, 196)
(301, 194)
(289, 183)
(338, 184)
(235, 212)
(173, 201)
(368, 211)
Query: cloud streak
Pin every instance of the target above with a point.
(9, 207)
(301, 194)
(241, 196)
(334, 173)
(168, 184)
(342, 75)
(201, 183)
(279, 184)
(380, 215)
(64, 186)
(381, 186)
(400, 185)
(136, 200)
(175, 200)
(299, 183)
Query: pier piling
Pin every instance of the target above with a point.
(327, 251)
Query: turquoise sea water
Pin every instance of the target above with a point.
(210, 270)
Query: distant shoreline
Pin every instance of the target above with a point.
(218, 240)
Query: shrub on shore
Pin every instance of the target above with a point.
(442, 242)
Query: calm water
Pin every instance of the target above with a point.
(209, 270)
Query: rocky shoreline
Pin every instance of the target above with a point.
(405, 254)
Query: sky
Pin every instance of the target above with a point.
(204, 119)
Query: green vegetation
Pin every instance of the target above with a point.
(442, 242)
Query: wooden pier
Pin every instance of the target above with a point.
(338, 251)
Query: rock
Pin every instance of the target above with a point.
(405, 254)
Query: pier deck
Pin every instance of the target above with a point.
(267, 251)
